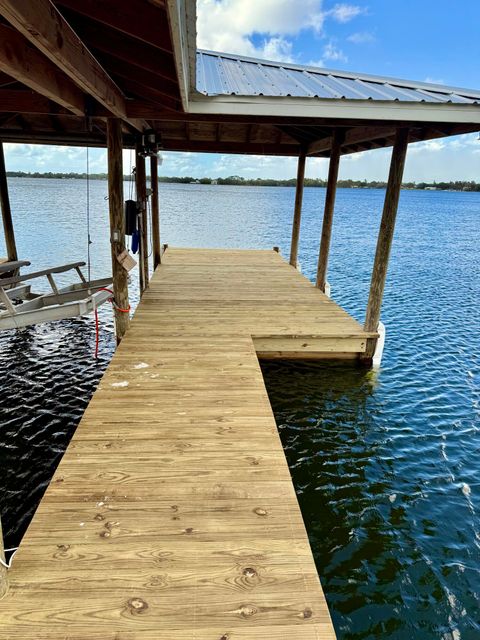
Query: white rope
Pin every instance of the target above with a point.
(89, 239)
(8, 564)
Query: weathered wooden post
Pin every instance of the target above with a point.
(155, 211)
(6, 211)
(385, 237)
(297, 215)
(337, 139)
(141, 186)
(3, 568)
(117, 225)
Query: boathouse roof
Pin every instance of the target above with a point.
(68, 65)
(227, 74)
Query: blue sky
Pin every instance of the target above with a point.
(428, 40)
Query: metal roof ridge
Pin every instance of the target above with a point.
(409, 84)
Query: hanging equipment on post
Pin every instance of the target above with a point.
(131, 214)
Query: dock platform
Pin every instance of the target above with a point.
(172, 515)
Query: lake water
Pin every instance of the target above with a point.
(386, 465)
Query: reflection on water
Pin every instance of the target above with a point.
(392, 522)
(48, 377)
(386, 465)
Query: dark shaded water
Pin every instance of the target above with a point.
(386, 464)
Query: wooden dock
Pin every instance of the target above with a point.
(172, 514)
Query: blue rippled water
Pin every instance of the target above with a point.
(386, 465)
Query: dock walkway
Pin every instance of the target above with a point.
(172, 515)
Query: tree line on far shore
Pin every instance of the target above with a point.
(457, 185)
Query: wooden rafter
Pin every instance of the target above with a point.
(22, 101)
(23, 62)
(103, 39)
(132, 87)
(231, 147)
(5, 118)
(353, 136)
(123, 69)
(140, 19)
(43, 25)
(24, 124)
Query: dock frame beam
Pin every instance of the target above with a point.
(337, 140)
(141, 188)
(297, 215)
(157, 255)
(384, 242)
(6, 211)
(117, 225)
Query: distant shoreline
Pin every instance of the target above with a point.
(457, 185)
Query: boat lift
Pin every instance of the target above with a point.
(21, 307)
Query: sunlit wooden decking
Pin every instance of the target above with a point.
(172, 515)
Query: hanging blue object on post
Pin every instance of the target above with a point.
(135, 241)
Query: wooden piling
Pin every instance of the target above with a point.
(6, 211)
(337, 140)
(155, 212)
(385, 237)
(117, 224)
(3, 569)
(141, 186)
(297, 215)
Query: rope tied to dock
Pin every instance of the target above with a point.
(97, 324)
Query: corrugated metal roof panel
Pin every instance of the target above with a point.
(225, 74)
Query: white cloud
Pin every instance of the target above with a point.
(434, 80)
(334, 53)
(428, 146)
(361, 37)
(320, 62)
(277, 48)
(229, 25)
(345, 12)
(267, 28)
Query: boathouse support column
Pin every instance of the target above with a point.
(297, 215)
(155, 211)
(141, 186)
(337, 140)
(117, 225)
(6, 211)
(385, 236)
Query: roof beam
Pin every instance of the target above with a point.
(42, 137)
(43, 25)
(123, 69)
(210, 146)
(22, 101)
(23, 62)
(148, 93)
(6, 118)
(352, 137)
(330, 109)
(123, 47)
(139, 19)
